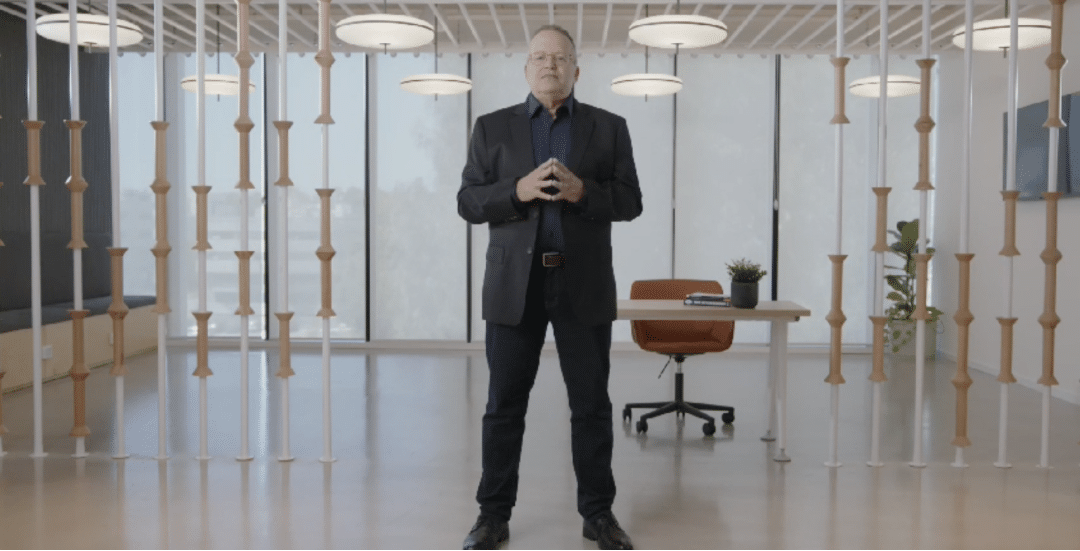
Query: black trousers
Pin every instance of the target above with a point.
(513, 354)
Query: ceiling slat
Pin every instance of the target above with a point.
(469, 22)
(769, 27)
(498, 25)
(809, 37)
(442, 23)
(797, 26)
(873, 30)
(731, 38)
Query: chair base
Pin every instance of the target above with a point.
(679, 407)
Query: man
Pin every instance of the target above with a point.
(549, 176)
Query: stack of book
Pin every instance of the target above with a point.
(707, 299)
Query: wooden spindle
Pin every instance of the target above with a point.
(325, 253)
(284, 345)
(79, 372)
(1055, 61)
(1009, 248)
(840, 90)
(1005, 374)
(325, 59)
(1049, 318)
(161, 188)
(962, 380)
(882, 194)
(921, 269)
(925, 124)
(117, 309)
(878, 373)
(836, 320)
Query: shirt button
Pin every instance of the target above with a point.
(528, 250)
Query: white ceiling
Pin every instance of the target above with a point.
(755, 27)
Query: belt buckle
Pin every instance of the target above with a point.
(552, 260)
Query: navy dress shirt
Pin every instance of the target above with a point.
(550, 138)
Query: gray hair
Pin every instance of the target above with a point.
(559, 30)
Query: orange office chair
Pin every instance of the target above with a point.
(677, 340)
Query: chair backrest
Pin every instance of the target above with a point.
(673, 336)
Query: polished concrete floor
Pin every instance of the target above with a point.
(406, 436)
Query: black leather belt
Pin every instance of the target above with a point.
(553, 260)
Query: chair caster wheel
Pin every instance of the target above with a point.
(642, 427)
(709, 429)
(626, 415)
(728, 418)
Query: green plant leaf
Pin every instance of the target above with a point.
(895, 296)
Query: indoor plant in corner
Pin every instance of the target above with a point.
(900, 328)
(744, 282)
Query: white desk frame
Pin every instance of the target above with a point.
(778, 313)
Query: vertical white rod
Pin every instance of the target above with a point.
(920, 369)
(204, 452)
(286, 455)
(883, 97)
(73, 60)
(1044, 448)
(35, 234)
(200, 125)
(283, 44)
(159, 60)
(327, 446)
(245, 454)
(159, 107)
(838, 170)
(162, 390)
(965, 164)
(834, 428)
(114, 165)
(326, 120)
(875, 422)
(1003, 418)
(76, 253)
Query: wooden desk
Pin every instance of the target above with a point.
(778, 313)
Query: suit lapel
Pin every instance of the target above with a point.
(521, 133)
(580, 133)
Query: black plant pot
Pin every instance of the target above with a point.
(744, 295)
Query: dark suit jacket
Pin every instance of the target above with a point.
(500, 154)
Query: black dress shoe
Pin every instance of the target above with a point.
(606, 532)
(487, 533)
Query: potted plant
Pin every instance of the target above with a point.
(900, 328)
(744, 282)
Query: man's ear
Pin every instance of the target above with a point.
(577, 73)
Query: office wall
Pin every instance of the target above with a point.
(988, 288)
(53, 109)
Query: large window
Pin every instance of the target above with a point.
(705, 161)
(418, 149)
(347, 142)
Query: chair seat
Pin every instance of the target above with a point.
(687, 348)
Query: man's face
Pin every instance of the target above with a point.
(551, 69)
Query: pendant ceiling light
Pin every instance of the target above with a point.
(646, 84)
(386, 31)
(993, 34)
(216, 84)
(895, 87)
(93, 30)
(436, 84)
(682, 31)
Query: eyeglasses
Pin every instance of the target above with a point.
(541, 58)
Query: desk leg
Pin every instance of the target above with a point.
(770, 432)
(778, 355)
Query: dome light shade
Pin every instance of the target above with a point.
(383, 30)
(441, 84)
(896, 86)
(684, 31)
(646, 84)
(993, 34)
(93, 30)
(215, 85)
